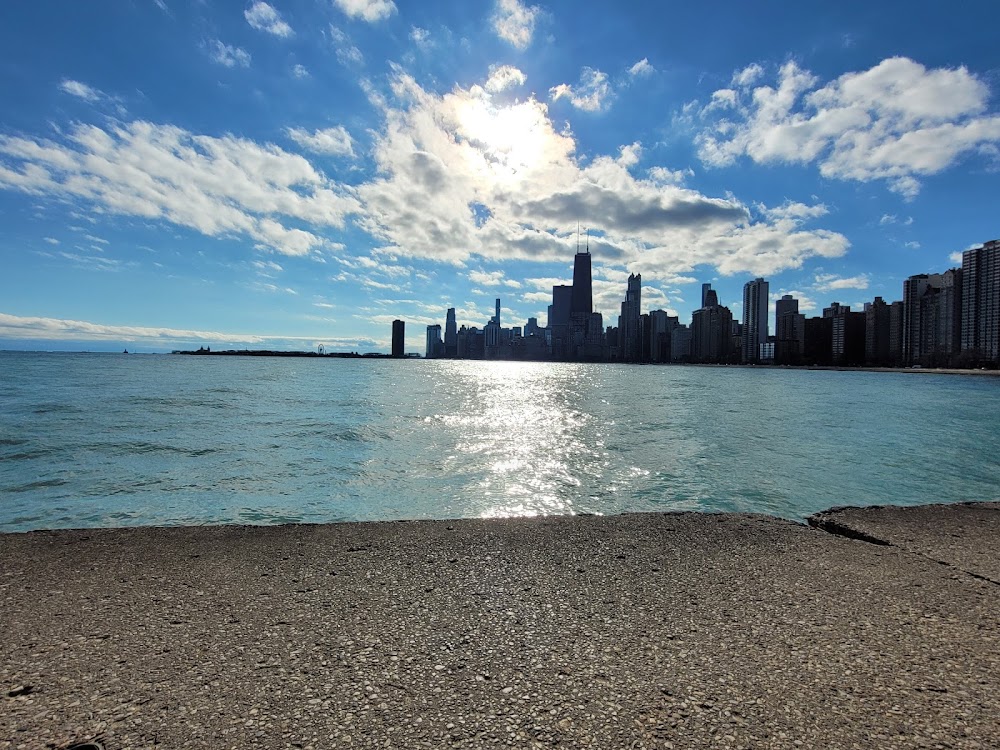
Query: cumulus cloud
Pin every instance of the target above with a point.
(227, 55)
(591, 94)
(492, 278)
(217, 186)
(420, 37)
(367, 10)
(897, 121)
(17, 327)
(504, 77)
(826, 282)
(300, 71)
(264, 17)
(641, 68)
(331, 141)
(81, 90)
(461, 175)
(514, 22)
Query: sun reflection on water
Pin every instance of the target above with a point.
(524, 427)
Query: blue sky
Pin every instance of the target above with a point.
(178, 173)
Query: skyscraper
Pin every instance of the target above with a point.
(981, 302)
(790, 330)
(628, 323)
(932, 318)
(435, 346)
(497, 316)
(583, 298)
(398, 338)
(450, 334)
(754, 319)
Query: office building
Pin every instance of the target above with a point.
(628, 321)
(435, 345)
(712, 334)
(754, 331)
(398, 338)
(582, 299)
(450, 334)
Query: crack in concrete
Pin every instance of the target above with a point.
(839, 529)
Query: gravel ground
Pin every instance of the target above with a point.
(635, 631)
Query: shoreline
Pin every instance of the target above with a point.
(870, 627)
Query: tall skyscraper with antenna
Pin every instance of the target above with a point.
(583, 295)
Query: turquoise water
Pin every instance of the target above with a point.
(113, 440)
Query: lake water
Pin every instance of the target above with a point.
(111, 440)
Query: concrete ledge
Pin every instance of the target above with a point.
(629, 631)
(963, 535)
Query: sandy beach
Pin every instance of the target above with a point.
(633, 631)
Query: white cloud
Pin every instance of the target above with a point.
(264, 17)
(747, 76)
(331, 141)
(670, 176)
(641, 68)
(347, 53)
(806, 303)
(514, 22)
(81, 90)
(826, 282)
(217, 186)
(887, 219)
(367, 10)
(492, 278)
(51, 240)
(420, 37)
(503, 77)
(300, 71)
(17, 327)
(460, 175)
(912, 244)
(228, 55)
(897, 122)
(955, 258)
(591, 94)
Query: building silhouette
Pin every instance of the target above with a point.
(398, 338)
(754, 331)
(790, 331)
(628, 321)
(450, 334)
(435, 346)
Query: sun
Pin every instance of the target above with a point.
(509, 141)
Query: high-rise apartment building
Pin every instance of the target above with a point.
(790, 331)
(932, 318)
(711, 334)
(754, 319)
(877, 328)
(981, 303)
(398, 338)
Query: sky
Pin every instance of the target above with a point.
(184, 173)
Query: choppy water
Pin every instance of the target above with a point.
(110, 440)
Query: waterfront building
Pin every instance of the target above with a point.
(896, 314)
(628, 321)
(435, 345)
(680, 344)
(398, 338)
(754, 331)
(877, 326)
(817, 348)
(981, 304)
(712, 334)
(661, 325)
(790, 331)
(582, 298)
(450, 334)
(932, 318)
(847, 342)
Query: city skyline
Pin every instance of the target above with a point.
(284, 175)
